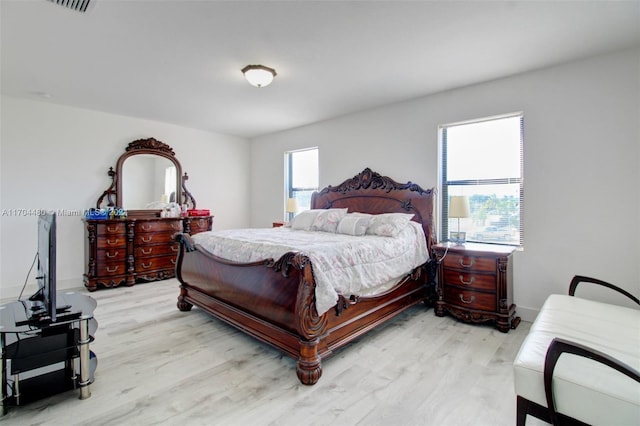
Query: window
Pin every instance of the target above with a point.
(302, 176)
(483, 161)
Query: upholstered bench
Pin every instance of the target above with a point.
(597, 378)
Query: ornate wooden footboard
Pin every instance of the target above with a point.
(273, 300)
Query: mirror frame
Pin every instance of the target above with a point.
(152, 146)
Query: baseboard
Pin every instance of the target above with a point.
(527, 314)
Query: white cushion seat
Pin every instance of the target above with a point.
(583, 389)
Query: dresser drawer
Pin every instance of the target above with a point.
(157, 250)
(469, 299)
(111, 228)
(109, 269)
(111, 242)
(174, 225)
(155, 263)
(469, 262)
(153, 238)
(110, 255)
(470, 280)
(199, 225)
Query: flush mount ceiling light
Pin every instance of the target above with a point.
(259, 75)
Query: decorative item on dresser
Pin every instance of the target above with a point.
(149, 189)
(475, 283)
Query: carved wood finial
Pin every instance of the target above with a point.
(150, 143)
(373, 180)
(109, 193)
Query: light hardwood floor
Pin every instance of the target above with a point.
(157, 365)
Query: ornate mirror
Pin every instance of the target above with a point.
(148, 176)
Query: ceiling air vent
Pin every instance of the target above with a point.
(78, 5)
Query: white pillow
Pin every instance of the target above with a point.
(367, 215)
(388, 224)
(304, 219)
(353, 224)
(327, 220)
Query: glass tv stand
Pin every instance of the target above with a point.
(34, 348)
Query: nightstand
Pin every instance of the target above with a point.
(277, 224)
(475, 283)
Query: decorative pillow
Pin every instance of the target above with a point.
(304, 219)
(353, 224)
(388, 224)
(327, 220)
(367, 215)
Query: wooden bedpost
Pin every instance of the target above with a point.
(309, 368)
(186, 245)
(183, 305)
(310, 325)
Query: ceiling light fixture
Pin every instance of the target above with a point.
(259, 75)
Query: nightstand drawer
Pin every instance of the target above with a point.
(469, 279)
(476, 263)
(470, 299)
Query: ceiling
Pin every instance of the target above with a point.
(179, 61)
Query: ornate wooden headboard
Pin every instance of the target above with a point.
(369, 192)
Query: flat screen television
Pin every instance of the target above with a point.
(44, 307)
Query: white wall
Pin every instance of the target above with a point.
(582, 158)
(57, 157)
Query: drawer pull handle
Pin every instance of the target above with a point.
(146, 252)
(174, 249)
(473, 298)
(112, 243)
(175, 226)
(147, 266)
(466, 282)
(173, 261)
(146, 240)
(145, 227)
(114, 269)
(111, 256)
(109, 229)
(466, 265)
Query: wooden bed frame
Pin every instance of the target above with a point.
(273, 300)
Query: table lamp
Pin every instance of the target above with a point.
(292, 208)
(459, 208)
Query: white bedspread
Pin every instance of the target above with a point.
(342, 264)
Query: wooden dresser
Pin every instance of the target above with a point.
(146, 185)
(126, 251)
(475, 283)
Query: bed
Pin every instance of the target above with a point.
(274, 299)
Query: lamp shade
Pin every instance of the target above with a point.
(459, 206)
(292, 205)
(259, 75)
